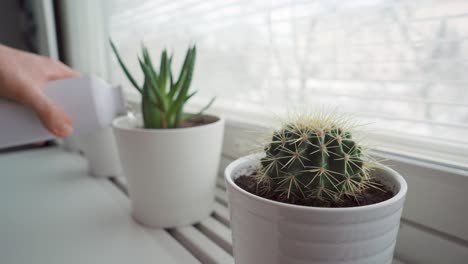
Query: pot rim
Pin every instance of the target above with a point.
(397, 197)
(117, 123)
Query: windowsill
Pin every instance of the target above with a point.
(69, 211)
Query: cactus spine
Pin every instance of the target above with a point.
(315, 157)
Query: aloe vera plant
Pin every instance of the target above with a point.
(163, 97)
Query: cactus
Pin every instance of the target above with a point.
(315, 157)
(163, 98)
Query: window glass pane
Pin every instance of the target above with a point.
(401, 64)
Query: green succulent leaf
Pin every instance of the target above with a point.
(147, 60)
(154, 87)
(190, 96)
(178, 85)
(169, 72)
(201, 112)
(124, 68)
(163, 96)
(187, 70)
(206, 106)
(151, 114)
(163, 71)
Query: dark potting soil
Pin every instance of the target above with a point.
(367, 197)
(198, 121)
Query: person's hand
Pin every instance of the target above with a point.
(23, 76)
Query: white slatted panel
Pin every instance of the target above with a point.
(218, 232)
(400, 63)
(220, 183)
(221, 196)
(201, 246)
(164, 241)
(221, 213)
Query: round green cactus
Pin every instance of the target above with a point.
(315, 157)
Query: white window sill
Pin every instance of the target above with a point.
(54, 212)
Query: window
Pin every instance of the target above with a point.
(400, 65)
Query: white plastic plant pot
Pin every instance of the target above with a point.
(171, 173)
(266, 231)
(100, 149)
(70, 144)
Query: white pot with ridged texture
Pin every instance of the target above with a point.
(266, 231)
(171, 173)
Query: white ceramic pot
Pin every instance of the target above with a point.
(266, 231)
(70, 144)
(100, 149)
(171, 173)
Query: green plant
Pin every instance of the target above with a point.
(315, 157)
(163, 98)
